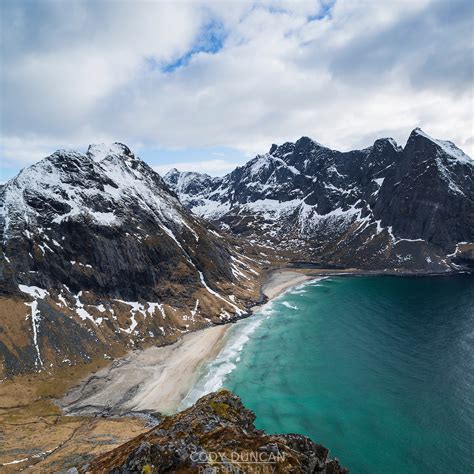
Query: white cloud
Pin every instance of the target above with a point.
(81, 72)
(22, 152)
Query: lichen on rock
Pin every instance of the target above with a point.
(217, 434)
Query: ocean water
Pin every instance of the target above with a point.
(378, 369)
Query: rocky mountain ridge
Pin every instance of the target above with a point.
(383, 208)
(99, 256)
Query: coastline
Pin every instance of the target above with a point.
(152, 380)
(278, 281)
(34, 400)
(158, 379)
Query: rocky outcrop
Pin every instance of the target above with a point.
(98, 257)
(381, 208)
(218, 432)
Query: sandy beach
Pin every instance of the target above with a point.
(157, 379)
(280, 280)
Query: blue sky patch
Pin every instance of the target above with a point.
(210, 40)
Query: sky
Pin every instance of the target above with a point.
(205, 86)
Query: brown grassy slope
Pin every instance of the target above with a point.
(32, 427)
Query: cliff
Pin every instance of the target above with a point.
(99, 257)
(217, 434)
(384, 208)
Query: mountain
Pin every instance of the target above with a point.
(98, 257)
(381, 208)
(217, 432)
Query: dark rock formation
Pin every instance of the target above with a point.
(381, 208)
(218, 432)
(106, 259)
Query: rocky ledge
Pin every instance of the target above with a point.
(217, 434)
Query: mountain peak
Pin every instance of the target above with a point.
(418, 132)
(111, 259)
(302, 143)
(384, 142)
(172, 175)
(307, 141)
(446, 146)
(100, 151)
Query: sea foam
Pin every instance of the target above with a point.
(213, 375)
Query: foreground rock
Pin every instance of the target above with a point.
(217, 433)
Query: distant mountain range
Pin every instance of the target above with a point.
(383, 208)
(98, 257)
(101, 255)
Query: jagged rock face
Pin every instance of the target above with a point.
(189, 183)
(384, 207)
(99, 239)
(217, 432)
(430, 195)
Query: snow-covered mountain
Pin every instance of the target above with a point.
(99, 256)
(383, 207)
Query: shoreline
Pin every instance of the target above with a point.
(158, 379)
(280, 280)
(150, 380)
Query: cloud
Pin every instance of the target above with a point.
(212, 167)
(239, 75)
(17, 153)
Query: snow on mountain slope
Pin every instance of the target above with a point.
(448, 147)
(71, 186)
(117, 260)
(381, 207)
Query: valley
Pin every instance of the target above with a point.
(118, 286)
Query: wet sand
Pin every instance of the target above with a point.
(157, 379)
(280, 280)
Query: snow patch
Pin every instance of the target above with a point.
(34, 291)
(217, 295)
(448, 147)
(153, 306)
(82, 313)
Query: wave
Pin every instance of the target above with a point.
(302, 287)
(213, 374)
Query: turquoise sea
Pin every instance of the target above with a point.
(378, 369)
